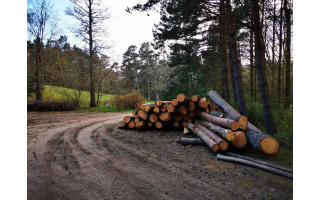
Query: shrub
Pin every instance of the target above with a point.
(43, 106)
(127, 101)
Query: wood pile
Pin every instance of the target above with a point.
(216, 123)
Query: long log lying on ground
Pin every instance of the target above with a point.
(258, 161)
(222, 143)
(190, 141)
(227, 123)
(242, 120)
(224, 133)
(209, 141)
(240, 140)
(259, 140)
(254, 164)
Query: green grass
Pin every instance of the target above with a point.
(54, 93)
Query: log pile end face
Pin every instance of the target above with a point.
(269, 146)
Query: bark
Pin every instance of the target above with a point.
(251, 65)
(141, 125)
(287, 13)
(254, 164)
(259, 140)
(227, 123)
(258, 161)
(190, 141)
(233, 83)
(235, 60)
(223, 53)
(37, 70)
(242, 120)
(224, 133)
(261, 67)
(273, 45)
(91, 69)
(207, 140)
(280, 52)
(223, 145)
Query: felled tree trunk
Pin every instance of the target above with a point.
(259, 140)
(224, 133)
(240, 140)
(182, 98)
(222, 143)
(227, 123)
(207, 140)
(190, 141)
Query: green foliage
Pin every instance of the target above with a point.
(127, 101)
(54, 93)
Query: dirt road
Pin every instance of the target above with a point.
(84, 156)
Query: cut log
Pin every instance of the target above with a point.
(224, 122)
(216, 114)
(149, 124)
(185, 117)
(190, 141)
(177, 117)
(134, 112)
(197, 121)
(259, 140)
(189, 120)
(240, 141)
(123, 123)
(191, 106)
(222, 143)
(259, 161)
(182, 98)
(195, 98)
(224, 133)
(153, 118)
(165, 116)
(122, 127)
(203, 103)
(186, 131)
(206, 139)
(156, 110)
(158, 103)
(131, 124)
(206, 110)
(139, 106)
(141, 125)
(254, 164)
(212, 107)
(183, 109)
(175, 102)
(148, 108)
(158, 124)
(136, 120)
(127, 119)
(171, 108)
(143, 115)
(184, 123)
(176, 124)
(192, 114)
(242, 120)
(163, 108)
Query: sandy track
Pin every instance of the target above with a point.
(85, 156)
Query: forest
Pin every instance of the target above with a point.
(242, 49)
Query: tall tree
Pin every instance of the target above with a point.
(41, 25)
(90, 14)
(287, 13)
(280, 52)
(261, 67)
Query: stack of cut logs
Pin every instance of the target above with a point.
(217, 125)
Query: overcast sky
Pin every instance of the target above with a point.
(123, 29)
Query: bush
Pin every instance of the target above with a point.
(127, 101)
(43, 106)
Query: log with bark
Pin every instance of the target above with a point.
(240, 140)
(207, 140)
(190, 141)
(224, 122)
(224, 133)
(222, 143)
(259, 140)
(203, 103)
(255, 164)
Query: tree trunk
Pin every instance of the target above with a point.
(261, 66)
(223, 145)
(280, 52)
(240, 140)
(91, 70)
(207, 140)
(224, 133)
(37, 70)
(265, 143)
(242, 120)
(235, 61)
(223, 53)
(273, 45)
(287, 13)
(190, 141)
(251, 65)
(227, 123)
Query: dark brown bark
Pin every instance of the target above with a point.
(233, 47)
(254, 164)
(91, 70)
(261, 67)
(287, 53)
(280, 52)
(190, 141)
(207, 140)
(38, 68)
(251, 65)
(223, 53)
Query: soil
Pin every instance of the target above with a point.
(85, 156)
